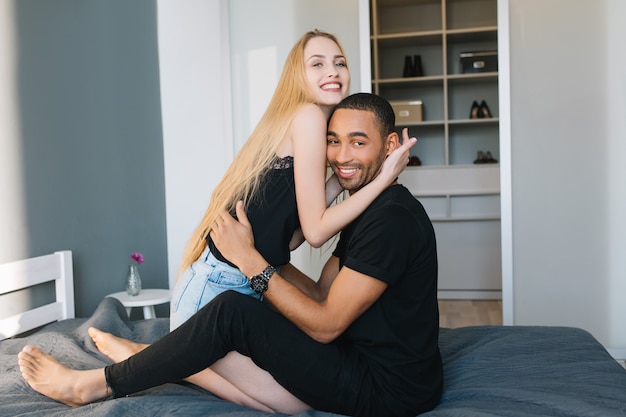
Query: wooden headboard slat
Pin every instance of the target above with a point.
(20, 275)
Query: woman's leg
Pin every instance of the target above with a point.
(115, 348)
(47, 376)
(119, 349)
(237, 379)
(325, 376)
(229, 378)
(322, 375)
(75, 388)
(201, 282)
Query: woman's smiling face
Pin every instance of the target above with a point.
(326, 71)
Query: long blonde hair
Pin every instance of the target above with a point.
(243, 177)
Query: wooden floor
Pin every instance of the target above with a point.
(461, 313)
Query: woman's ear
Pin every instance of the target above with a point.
(391, 143)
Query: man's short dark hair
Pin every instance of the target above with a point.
(377, 105)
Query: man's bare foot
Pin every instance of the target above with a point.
(115, 348)
(48, 377)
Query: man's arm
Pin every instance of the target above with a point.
(318, 290)
(323, 310)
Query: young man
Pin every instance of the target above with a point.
(362, 340)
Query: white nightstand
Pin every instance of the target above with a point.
(146, 299)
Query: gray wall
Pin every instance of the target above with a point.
(568, 100)
(89, 158)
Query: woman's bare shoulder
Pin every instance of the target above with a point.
(309, 111)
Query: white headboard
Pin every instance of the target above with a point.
(27, 273)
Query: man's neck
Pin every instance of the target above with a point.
(351, 192)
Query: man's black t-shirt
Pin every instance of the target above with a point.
(397, 337)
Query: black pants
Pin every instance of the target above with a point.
(328, 377)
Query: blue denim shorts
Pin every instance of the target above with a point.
(200, 283)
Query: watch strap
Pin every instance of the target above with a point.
(259, 282)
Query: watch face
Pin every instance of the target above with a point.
(258, 284)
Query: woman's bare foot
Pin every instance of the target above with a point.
(47, 376)
(115, 348)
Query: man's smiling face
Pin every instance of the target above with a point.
(355, 148)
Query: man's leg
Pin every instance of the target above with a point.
(321, 375)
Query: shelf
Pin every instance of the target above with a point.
(466, 219)
(452, 180)
(471, 77)
(476, 34)
(439, 31)
(425, 123)
(400, 3)
(402, 16)
(395, 40)
(469, 122)
(461, 14)
(402, 81)
(458, 122)
(462, 199)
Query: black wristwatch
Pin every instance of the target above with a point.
(258, 283)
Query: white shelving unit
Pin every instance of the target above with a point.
(462, 198)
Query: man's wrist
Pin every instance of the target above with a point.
(259, 283)
(253, 266)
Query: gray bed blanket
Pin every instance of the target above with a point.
(489, 371)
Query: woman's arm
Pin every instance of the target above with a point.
(333, 189)
(318, 222)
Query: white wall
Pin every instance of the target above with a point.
(616, 175)
(12, 213)
(258, 52)
(202, 45)
(195, 97)
(567, 148)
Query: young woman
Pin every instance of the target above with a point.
(288, 145)
(280, 175)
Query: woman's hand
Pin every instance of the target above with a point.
(397, 159)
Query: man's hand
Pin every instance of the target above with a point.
(398, 159)
(234, 239)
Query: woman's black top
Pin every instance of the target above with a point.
(273, 214)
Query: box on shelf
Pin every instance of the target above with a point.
(407, 111)
(479, 61)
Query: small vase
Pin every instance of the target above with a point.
(133, 281)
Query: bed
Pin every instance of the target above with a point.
(489, 370)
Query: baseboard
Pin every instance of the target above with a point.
(469, 294)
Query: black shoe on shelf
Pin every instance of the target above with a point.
(409, 67)
(489, 159)
(475, 112)
(418, 70)
(414, 161)
(484, 110)
(480, 158)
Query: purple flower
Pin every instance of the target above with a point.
(137, 257)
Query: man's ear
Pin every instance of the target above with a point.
(391, 143)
